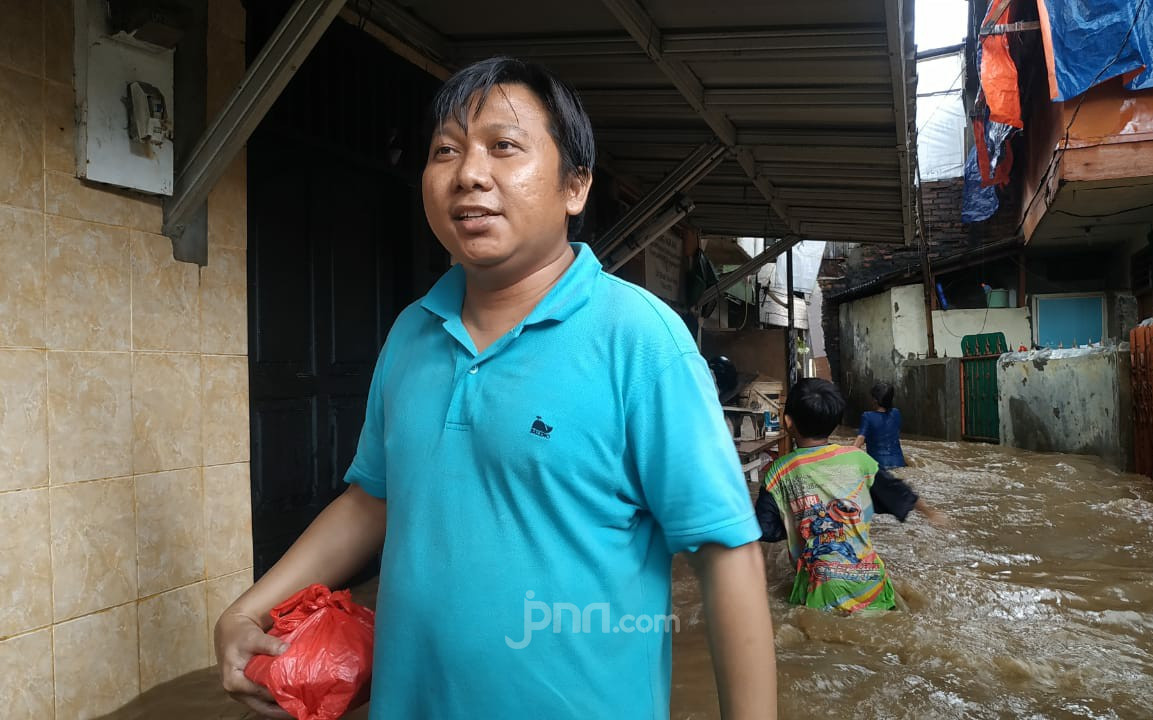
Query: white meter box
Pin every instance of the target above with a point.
(121, 142)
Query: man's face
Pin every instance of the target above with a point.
(494, 195)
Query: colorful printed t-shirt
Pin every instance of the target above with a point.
(823, 497)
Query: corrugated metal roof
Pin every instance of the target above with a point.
(815, 99)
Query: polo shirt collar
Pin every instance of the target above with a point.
(571, 292)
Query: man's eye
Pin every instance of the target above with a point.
(503, 145)
(443, 150)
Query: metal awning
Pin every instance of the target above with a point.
(811, 103)
(813, 100)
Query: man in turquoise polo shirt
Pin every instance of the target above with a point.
(540, 438)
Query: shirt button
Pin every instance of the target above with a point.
(473, 370)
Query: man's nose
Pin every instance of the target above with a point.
(474, 170)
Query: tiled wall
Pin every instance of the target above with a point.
(124, 493)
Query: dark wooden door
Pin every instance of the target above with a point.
(337, 247)
(324, 292)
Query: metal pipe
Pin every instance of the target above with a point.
(673, 215)
(291, 42)
(691, 170)
(734, 277)
(791, 345)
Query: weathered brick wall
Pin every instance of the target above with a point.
(946, 234)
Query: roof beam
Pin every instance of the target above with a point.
(688, 173)
(732, 278)
(401, 23)
(645, 32)
(291, 42)
(790, 138)
(794, 43)
(895, 29)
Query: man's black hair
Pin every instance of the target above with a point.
(815, 407)
(569, 124)
(883, 393)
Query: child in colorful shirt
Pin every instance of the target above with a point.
(827, 495)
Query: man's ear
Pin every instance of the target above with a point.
(576, 189)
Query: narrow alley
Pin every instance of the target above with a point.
(290, 299)
(1034, 606)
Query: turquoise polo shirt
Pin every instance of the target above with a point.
(536, 494)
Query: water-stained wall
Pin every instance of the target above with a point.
(1075, 401)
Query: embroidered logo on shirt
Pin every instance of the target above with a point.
(540, 429)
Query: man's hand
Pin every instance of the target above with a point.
(239, 637)
(337, 543)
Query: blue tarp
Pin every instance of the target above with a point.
(1095, 40)
(979, 203)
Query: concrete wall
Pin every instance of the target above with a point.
(910, 334)
(124, 482)
(867, 350)
(883, 339)
(1075, 401)
(949, 326)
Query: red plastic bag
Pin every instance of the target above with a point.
(327, 668)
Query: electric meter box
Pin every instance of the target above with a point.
(125, 106)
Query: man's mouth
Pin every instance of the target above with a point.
(473, 214)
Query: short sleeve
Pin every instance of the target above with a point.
(368, 466)
(686, 460)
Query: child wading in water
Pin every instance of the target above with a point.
(822, 498)
(880, 432)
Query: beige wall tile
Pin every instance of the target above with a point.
(21, 277)
(97, 663)
(226, 438)
(21, 136)
(89, 415)
(172, 639)
(26, 676)
(165, 412)
(59, 127)
(88, 286)
(58, 31)
(228, 207)
(228, 519)
(165, 297)
(222, 592)
(224, 303)
(26, 568)
(23, 419)
(21, 37)
(169, 531)
(70, 197)
(93, 546)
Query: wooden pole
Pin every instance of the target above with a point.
(791, 345)
(1021, 280)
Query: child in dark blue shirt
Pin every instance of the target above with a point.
(880, 433)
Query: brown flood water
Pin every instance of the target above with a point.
(1037, 604)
